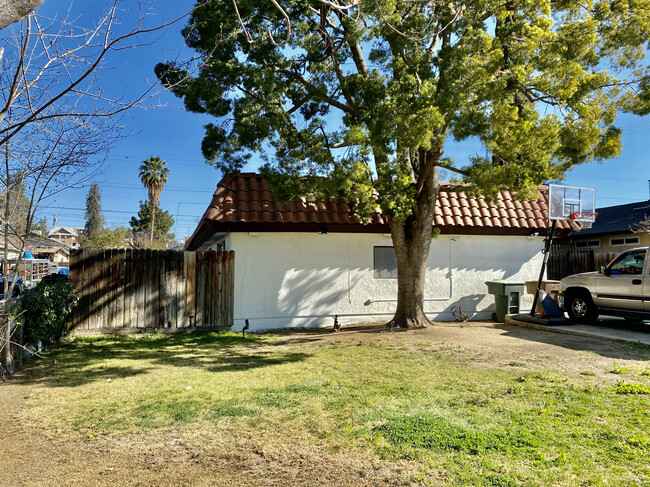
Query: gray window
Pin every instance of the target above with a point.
(624, 241)
(385, 263)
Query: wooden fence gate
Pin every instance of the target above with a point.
(132, 290)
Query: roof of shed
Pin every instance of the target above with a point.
(245, 202)
(72, 231)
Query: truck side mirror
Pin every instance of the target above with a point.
(605, 270)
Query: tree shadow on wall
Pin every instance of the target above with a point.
(306, 292)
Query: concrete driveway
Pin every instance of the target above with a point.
(606, 327)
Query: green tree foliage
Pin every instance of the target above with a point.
(153, 174)
(141, 227)
(117, 238)
(41, 226)
(94, 219)
(344, 98)
(45, 310)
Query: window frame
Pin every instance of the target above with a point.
(624, 256)
(375, 270)
(625, 241)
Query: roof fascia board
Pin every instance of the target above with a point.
(211, 241)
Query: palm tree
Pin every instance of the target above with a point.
(153, 174)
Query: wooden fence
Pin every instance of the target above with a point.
(131, 290)
(565, 260)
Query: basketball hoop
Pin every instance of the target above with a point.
(585, 218)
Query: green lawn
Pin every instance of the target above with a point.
(448, 413)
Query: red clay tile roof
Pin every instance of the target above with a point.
(245, 202)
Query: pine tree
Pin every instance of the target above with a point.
(141, 226)
(94, 219)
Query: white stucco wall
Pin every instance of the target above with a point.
(302, 280)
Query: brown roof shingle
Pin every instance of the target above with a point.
(245, 202)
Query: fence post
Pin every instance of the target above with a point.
(199, 317)
(231, 289)
(189, 273)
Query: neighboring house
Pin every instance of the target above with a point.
(44, 255)
(68, 235)
(299, 264)
(14, 245)
(48, 248)
(615, 230)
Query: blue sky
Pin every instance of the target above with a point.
(175, 136)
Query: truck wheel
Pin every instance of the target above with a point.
(581, 307)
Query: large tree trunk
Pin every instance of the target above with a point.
(153, 220)
(5, 325)
(412, 239)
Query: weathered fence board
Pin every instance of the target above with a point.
(127, 289)
(145, 289)
(189, 274)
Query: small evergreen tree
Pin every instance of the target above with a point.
(141, 226)
(41, 227)
(94, 219)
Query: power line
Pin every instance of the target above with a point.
(167, 188)
(104, 211)
(176, 162)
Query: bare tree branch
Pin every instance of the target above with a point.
(79, 64)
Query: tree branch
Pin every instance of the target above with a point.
(314, 90)
(453, 169)
(355, 48)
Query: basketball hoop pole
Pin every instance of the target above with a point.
(547, 248)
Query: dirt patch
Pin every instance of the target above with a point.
(494, 345)
(198, 458)
(209, 456)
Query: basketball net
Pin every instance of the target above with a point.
(584, 218)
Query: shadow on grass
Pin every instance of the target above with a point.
(84, 360)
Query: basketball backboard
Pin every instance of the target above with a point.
(571, 202)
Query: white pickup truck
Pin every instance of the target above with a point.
(621, 288)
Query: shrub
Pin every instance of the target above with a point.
(631, 388)
(617, 369)
(45, 311)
